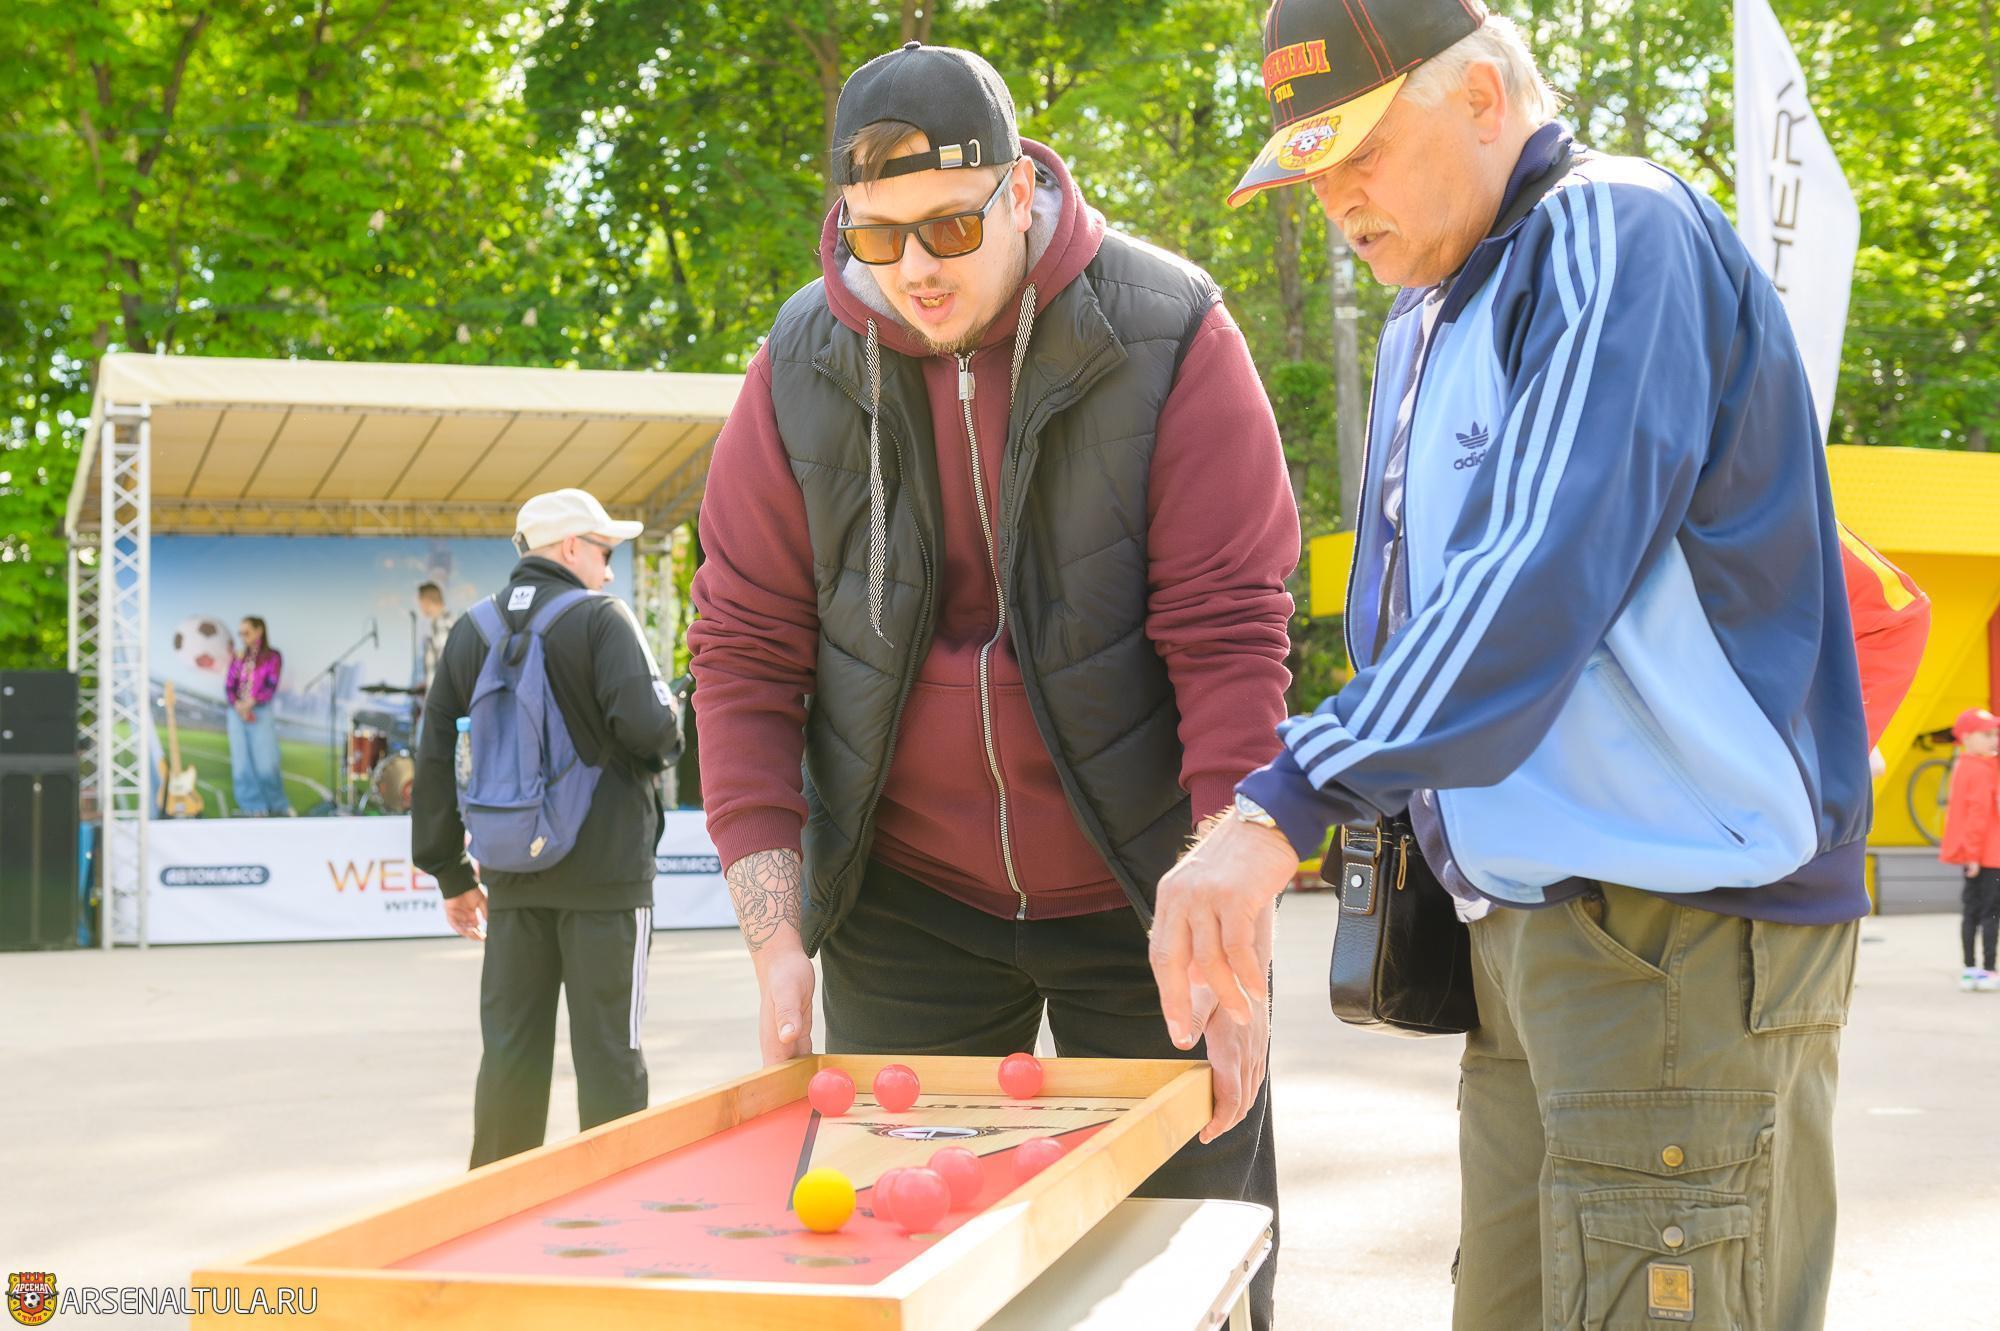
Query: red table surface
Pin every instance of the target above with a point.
(720, 1208)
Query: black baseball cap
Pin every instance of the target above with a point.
(958, 100)
(1331, 68)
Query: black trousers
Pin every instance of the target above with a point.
(1982, 916)
(912, 971)
(532, 953)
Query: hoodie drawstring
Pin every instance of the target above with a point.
(878, 504)
(1021, 333)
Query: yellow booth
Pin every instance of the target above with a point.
(1937, 516)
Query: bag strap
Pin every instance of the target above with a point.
(486, 617)
(555, 608)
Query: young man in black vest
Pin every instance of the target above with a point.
(1004, 498)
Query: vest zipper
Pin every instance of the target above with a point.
(965, 389)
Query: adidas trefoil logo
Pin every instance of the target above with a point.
(1474, 441)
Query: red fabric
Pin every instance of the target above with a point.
(1971, 820)
(1223, 536)
(1888, 638)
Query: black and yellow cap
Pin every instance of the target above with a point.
(1331, 68)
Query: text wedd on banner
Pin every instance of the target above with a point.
(216, 880)
(1793, 208)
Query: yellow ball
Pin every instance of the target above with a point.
(823, 1200)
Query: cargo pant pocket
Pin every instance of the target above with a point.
(1657, 1208)
(1801, 976)
(1665, 1257)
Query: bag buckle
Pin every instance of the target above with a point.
(1361, 850)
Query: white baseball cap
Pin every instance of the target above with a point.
(549, 518)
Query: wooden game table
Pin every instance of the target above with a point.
(679, 1216)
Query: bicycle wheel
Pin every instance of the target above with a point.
(1927, 794)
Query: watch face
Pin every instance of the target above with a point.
(1253, 812)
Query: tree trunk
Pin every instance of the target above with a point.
(1350, 409)
(1635, 102)
(1291, 287)
(824, 47)
(917, 20)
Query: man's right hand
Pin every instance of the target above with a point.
(768, 891)
(785, 1008)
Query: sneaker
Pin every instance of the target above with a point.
(1989, 983)
(1972, 977)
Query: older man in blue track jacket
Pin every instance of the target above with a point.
(1605, 669)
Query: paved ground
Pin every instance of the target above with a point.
(185, 1105)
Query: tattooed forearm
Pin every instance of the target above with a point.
(768, 890)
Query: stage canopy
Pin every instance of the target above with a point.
(351, 448)
(328, 448)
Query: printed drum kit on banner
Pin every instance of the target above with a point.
(380, 762)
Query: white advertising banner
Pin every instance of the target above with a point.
(268, 880)
(1793, 208)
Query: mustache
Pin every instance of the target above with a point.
(1366, 224)
(927, 289)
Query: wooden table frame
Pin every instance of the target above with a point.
(969, 1275)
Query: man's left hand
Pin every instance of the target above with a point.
(1210, 924)
(1237, 1054)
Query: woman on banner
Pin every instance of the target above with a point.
(253, 730)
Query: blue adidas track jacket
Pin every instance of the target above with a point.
(1628, 656)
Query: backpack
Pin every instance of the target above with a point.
(529, 791)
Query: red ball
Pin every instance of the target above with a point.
(960, 1170)
(896, 1088)
(1021, 1076)
(882, 1198)
(831, 1092)
(1034, 1155)
(922, 1199)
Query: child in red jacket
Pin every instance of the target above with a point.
(1972, 838)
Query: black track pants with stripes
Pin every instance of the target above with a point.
(598, 959)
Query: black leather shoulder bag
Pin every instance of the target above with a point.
(1402, 959)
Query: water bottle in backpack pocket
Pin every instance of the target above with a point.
(523, 790)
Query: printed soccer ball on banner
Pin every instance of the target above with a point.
(203, 643)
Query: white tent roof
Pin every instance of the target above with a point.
(343, 447)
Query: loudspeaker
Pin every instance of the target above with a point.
(38, 854)
(37, 713)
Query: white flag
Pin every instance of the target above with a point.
(1793, 208)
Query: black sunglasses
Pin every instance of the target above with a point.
(950, 237)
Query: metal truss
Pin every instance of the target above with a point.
(123, 693)
(676, 499)
(85, 619)
(656, 600)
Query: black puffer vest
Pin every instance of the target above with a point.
(1100, 362)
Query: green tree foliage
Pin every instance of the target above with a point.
(640, 183)
(299, 178)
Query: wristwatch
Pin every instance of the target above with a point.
(1250, 811)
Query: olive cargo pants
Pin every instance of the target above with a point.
(1646, 1118)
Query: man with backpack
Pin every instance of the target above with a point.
(545, 725)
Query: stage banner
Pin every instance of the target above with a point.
(357, 621)
(269, 880)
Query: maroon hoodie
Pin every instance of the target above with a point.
(1223, 536)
